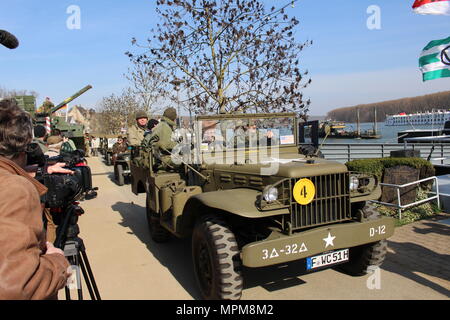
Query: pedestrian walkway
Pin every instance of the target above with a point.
(423, 249)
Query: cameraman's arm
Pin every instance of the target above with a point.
(55, 168)
(58, 168)
(26, 273)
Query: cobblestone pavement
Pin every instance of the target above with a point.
(422, 249)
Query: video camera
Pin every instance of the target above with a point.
(62, 188)
(63, 192)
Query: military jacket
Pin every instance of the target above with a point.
(135, 135)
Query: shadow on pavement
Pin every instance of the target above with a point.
(277, 277)
(175, 255)
(434, 228)
(409, 258)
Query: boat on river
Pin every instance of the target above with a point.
(438, 117)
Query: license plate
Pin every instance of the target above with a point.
(327, 259)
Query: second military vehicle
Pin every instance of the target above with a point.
(47, 118)
(250, 197)
(106, 143)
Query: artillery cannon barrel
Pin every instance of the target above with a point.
(71, 98)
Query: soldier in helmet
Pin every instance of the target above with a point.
(161, 139)
(137, 131)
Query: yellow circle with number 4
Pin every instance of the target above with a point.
(304, 191)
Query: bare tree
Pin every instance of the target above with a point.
(232, 55)
(147, 84)
(117, 112)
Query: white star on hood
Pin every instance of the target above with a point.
(329, 240)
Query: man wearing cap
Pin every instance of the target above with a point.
(136, 132)
(161, 139)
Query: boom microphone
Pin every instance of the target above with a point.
(8, 40)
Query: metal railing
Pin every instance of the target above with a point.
(399, 205)
(343, 152)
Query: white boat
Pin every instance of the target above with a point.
(422, 118)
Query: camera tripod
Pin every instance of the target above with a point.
(74, 250)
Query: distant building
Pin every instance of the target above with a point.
(80, 115)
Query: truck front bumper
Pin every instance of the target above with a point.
(282, 248)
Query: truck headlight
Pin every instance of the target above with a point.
(270, 194)
(354, 183)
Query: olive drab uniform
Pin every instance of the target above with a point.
(160, 143)
(135, 135)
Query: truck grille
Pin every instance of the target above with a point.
(331, 202)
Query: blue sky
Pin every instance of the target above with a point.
(349, 64)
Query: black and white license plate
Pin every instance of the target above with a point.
(327, 259)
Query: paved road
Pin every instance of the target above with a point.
(128, 265)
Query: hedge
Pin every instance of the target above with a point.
(377, 166)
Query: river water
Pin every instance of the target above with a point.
(388, 133)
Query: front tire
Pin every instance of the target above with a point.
(216, 258)
(368, 256)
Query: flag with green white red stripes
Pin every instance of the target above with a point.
(434, 62)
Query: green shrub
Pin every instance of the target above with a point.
(377, 167)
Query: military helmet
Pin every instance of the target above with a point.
(170, 113)
(141, 114)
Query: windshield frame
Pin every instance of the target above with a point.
(246, 116)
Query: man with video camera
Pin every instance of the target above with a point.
(30, 267)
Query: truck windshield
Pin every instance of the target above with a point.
(247, 132)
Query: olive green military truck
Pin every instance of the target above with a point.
(248, 196)
(106, 143)
(47, 116)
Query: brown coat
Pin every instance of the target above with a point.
(119, 148)
(25, 272)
